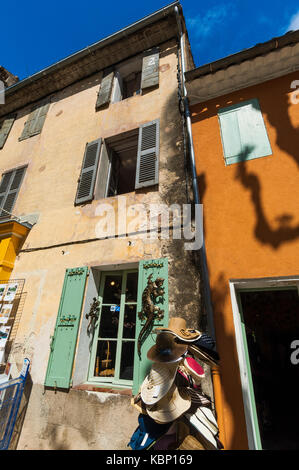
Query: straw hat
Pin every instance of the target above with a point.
(204, 356)
(198, 398)
(166, 349)
(191, 443)
(194, 368)
(178, 327)
(175, 403)
(205, 423)
(158, 382)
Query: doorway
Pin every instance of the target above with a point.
(269, 323)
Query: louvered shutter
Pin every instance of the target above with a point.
(35, 121)
(64, 339)
(9, 189)
(5, 129)
(158, 268)
(147, 171)
(105, 89)
(86, 182)
(150, 69)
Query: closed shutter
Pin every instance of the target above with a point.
(147, 172)
(158, 268)
(9, 189)
(5, 129)
(150, 69)
(105, 88)
(35, 121)
(243, 132)
(64, 339)
(86, 182)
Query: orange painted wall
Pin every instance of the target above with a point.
(251, 219)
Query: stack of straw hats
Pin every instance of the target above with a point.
(174, 412)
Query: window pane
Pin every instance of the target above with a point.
(127, 360)
(131, 289)
(105, 359)
(129, 321)
(109, 322)
(112, 289)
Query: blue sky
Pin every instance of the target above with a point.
(37, 34)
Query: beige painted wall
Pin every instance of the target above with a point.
(54, 161)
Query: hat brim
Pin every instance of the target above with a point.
(178, 334)
(151, 393)
(174, 355)
(203, 355)
(171, 407)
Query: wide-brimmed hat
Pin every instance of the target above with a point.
(174, 404)
(166, 349)
(147, 433)
(210, 357)
(178, 327)
(198, 398)
(205, 423)
(191, 443)
(194, 368)
(158, 382)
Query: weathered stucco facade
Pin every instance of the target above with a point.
(65, 236)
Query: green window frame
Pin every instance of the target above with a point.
(119, 339)
(243, 132)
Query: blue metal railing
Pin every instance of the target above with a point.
(10, 398)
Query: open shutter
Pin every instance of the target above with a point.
(9, 189)
(150, 69)
(5, 129)
(64, 339)
(86, 182)
(35, 121)
(158, 268)
(147, 172)
(105, 89)
(243, 132)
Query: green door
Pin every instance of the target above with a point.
(64, 339)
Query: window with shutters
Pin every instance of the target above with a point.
(243, 132)
(9, 188)
(35, 121)
(120, 164)
(129, 78)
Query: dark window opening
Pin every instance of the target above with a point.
(271, 320)
(131, 85)
(122, 151)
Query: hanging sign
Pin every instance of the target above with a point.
(11, 292)
(4, 335)
(5, 313)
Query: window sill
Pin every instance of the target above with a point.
(117, 389)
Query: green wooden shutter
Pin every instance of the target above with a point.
(147, 171)
(5, 129)
(64, 339)
(150, 69)
(105, 88)
(35, 121)
(158, 268)
(243, 132)
(9, 190)
(86, 182)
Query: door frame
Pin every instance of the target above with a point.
(236, 286)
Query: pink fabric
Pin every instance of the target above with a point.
(195, 366)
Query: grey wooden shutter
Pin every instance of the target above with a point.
(35, 121)
(5, 129)
(88, 174)
(147, 172)
(150, 69)
(105, 88)
(9, 189)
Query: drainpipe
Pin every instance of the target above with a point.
(216, 378)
